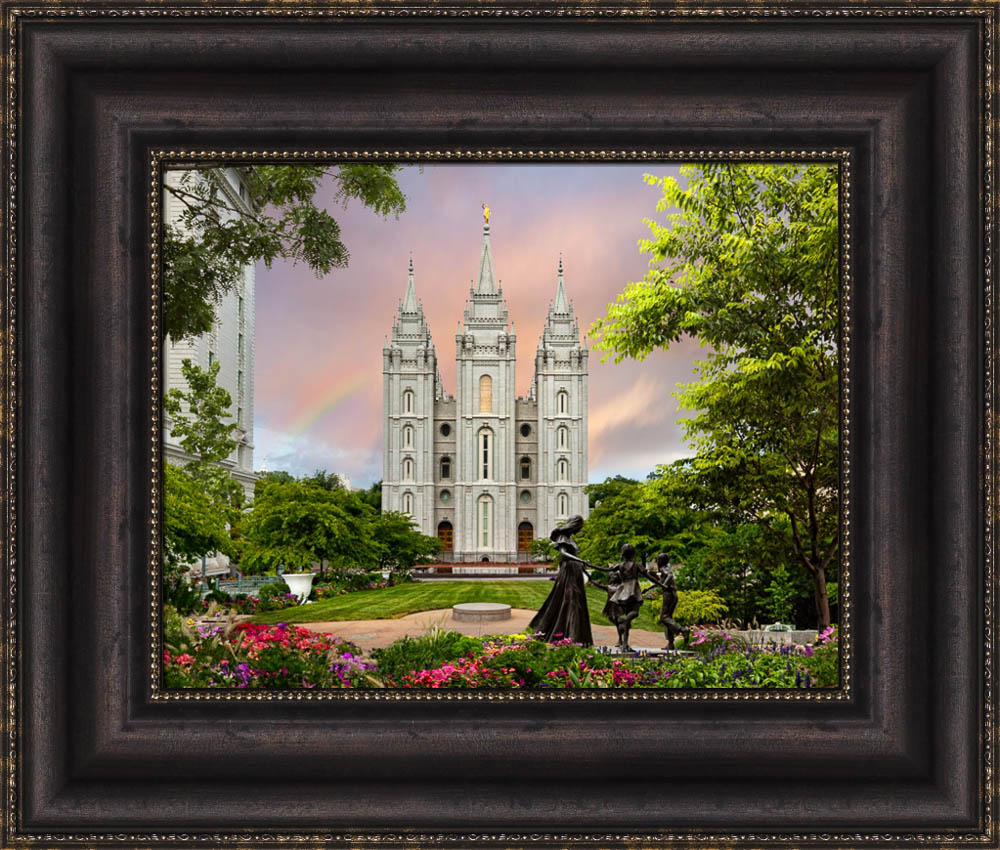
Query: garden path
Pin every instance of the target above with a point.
(374, 634)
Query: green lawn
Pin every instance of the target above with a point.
(392, 602)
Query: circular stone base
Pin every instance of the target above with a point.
(480, 612)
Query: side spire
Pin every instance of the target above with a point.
(410, 299)
(561, 304)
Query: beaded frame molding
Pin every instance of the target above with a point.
(114, 776)
(162, 161)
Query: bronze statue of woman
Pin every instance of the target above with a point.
(564, 613)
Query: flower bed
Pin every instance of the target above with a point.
(224, 654)
(519, 661)
(243, 655)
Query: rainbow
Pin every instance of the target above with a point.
(326, 399)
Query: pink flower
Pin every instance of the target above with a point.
(185, 659)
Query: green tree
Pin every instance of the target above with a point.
(278, 476)
(749, 266)
(193, 525)
(398, 542)
(201, 424)
(781, 595)
(298, 524)
(372, 496)
(598, 492)
(543, 549)
(325, 480)
(206, 251)
(646, 514)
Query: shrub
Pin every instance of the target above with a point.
(709, 642)
(699, 606)
(693, 606)
(824, 662)
(269, 591)
(413, 654)
(218, 597)
(182, 594)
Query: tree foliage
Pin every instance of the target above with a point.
(399, 544)
(738, 564)
(193, 525)
(646, 514)
(299, 523)
(215, 237)
(749, 266)
(201, 424)
(372, 496)
(315, 520)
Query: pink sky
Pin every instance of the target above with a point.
(318, 342)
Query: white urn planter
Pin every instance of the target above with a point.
(300, 584)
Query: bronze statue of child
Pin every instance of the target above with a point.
(624, 596)
(665, 581)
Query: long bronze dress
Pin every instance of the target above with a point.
(564, 613)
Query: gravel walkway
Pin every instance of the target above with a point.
(373, 634)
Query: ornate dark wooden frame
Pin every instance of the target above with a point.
(93, 92)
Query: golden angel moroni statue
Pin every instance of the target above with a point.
(486, 214)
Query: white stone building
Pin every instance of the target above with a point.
(483, 470)
(229, 343)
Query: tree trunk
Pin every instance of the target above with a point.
(822, 600)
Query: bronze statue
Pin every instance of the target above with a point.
(665, 581)
(624, 596)
(564, 613)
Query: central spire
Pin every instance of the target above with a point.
(486, 284)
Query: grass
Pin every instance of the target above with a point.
(393, 602)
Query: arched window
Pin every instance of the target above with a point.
(446, 467)
(446, 535)
(408, 469)
(485, 394)
(562, 469)
(525, 468)
(485, 525)
(563, 438)
(407, 401)
(408, 437)
(562, 402)
(486, 454)
(563, 506)
(408, 503)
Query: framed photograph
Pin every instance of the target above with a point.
(690, 538)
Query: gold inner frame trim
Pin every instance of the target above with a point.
(163, 160)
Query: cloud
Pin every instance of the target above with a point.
(638, 404)
(301, 455)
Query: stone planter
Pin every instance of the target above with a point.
(300, 584)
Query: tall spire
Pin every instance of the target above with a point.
(486, 284)
(410, 299)
(560, 331)
(561, 304)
